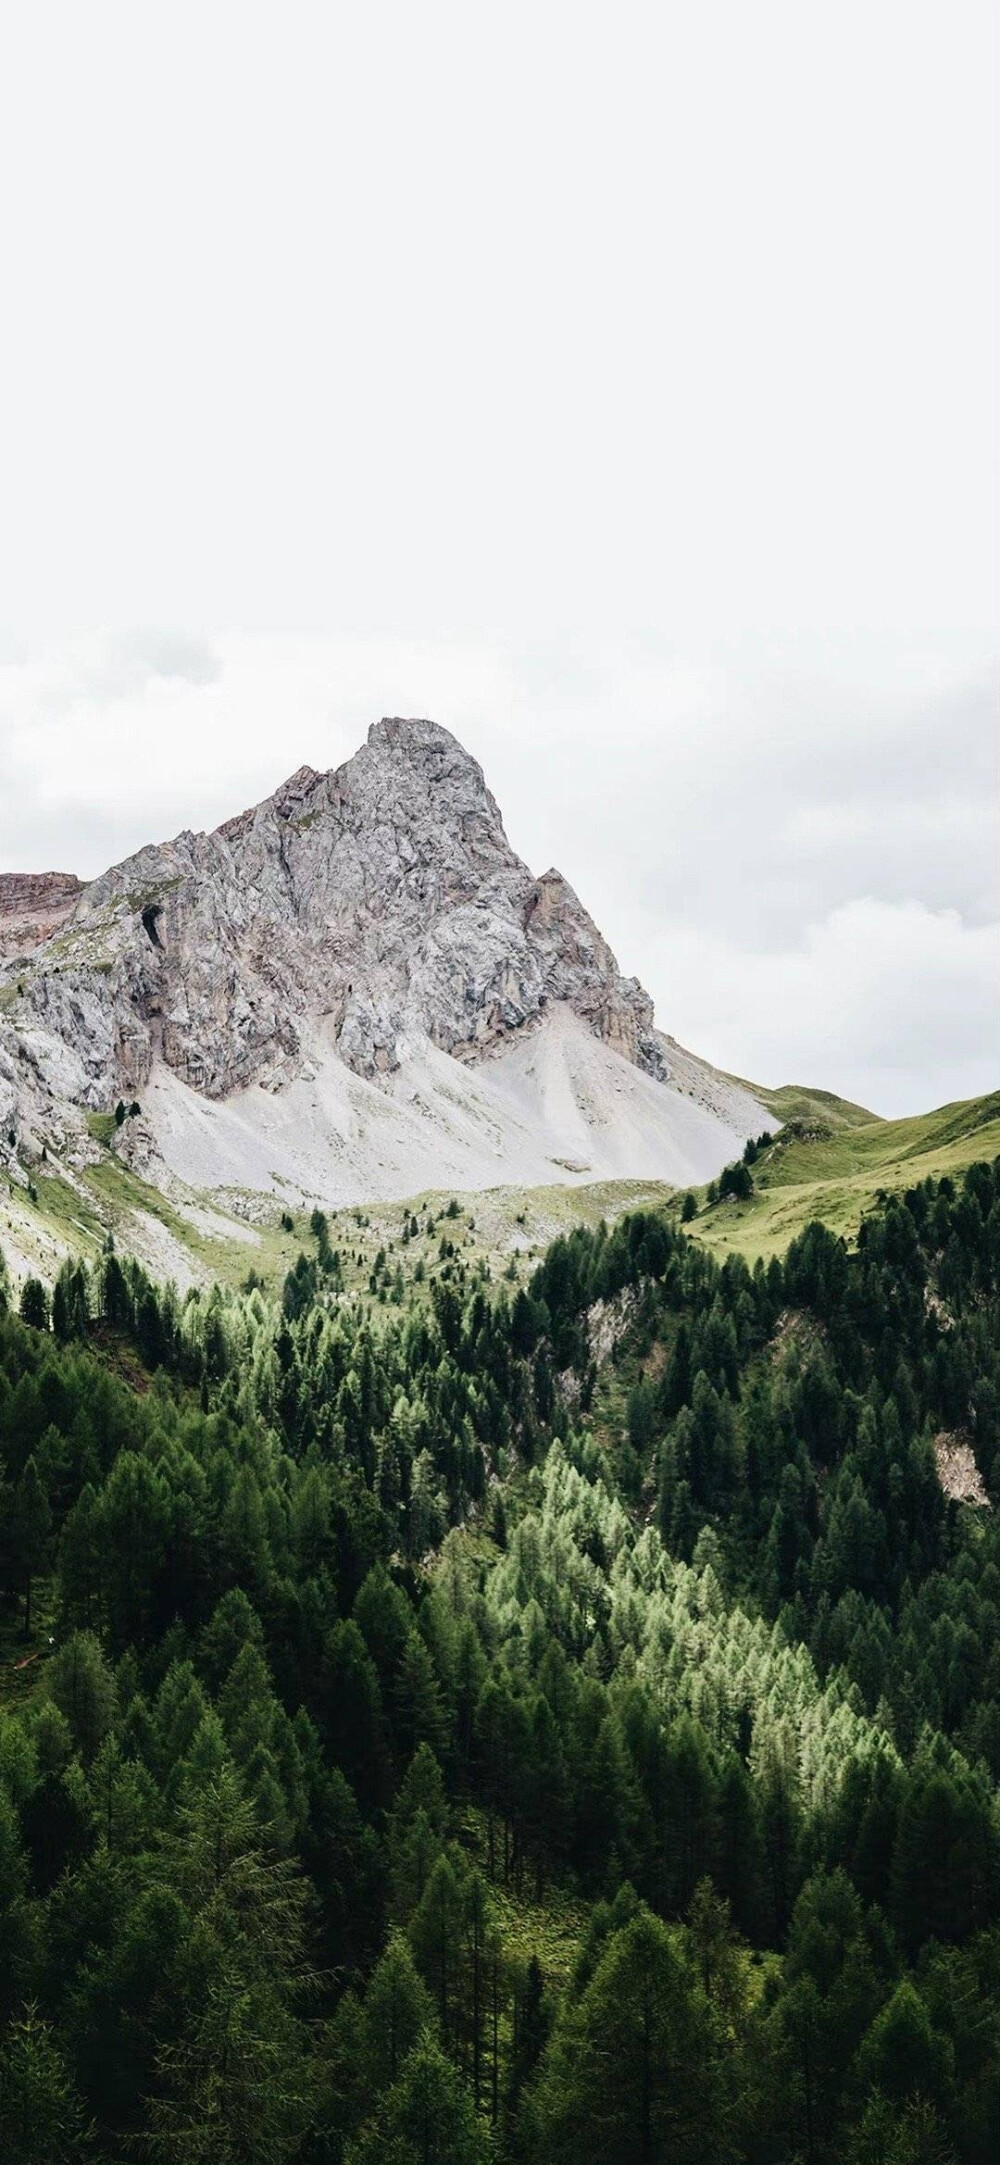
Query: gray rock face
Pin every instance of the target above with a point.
(383, 897)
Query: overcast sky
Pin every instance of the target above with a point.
(614, 384)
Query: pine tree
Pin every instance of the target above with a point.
(82, 1686)
(34, 1306)
(397, 2011)
(436, 1935)
(41, 2117)
(31, 1525)
(631, 2076)
(426, 2119)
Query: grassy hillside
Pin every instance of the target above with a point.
(830, 1161)
(195, 1238)
(794, 1102)
(835, 1171)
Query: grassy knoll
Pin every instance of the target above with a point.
(836, 1172)
(504, 1231)
(793, 1102)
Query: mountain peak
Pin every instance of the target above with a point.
(347, 932)
(302, 779)
(412, 731)
(428, 748)
(368, 910)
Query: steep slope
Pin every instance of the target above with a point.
(327, 993)
(383, 897)
(559, 1104)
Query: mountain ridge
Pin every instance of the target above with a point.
(405, 904)
(353, 929)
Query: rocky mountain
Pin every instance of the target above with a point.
(353, 985)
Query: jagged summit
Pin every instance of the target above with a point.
(415, 730)
(359, 914)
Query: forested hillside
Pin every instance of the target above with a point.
(559, 1727)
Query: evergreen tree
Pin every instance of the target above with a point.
(31, 1525)
(34, 1304)
(631, 2075)
(82, 1686)
(426, 2119)
(41, 2117)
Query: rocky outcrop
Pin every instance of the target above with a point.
(957, 1470)
(33, 905)
(382, 898)
(580, 968)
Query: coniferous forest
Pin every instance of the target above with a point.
(422, 1743)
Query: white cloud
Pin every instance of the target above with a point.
(892, 1004)
(623, 398)
(434, 320)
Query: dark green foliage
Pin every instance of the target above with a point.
(35, 1304)
(636, 2069)
(371, 1640)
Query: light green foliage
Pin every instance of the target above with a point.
(671, 1626)
(426, 2119)
(82, 1687)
